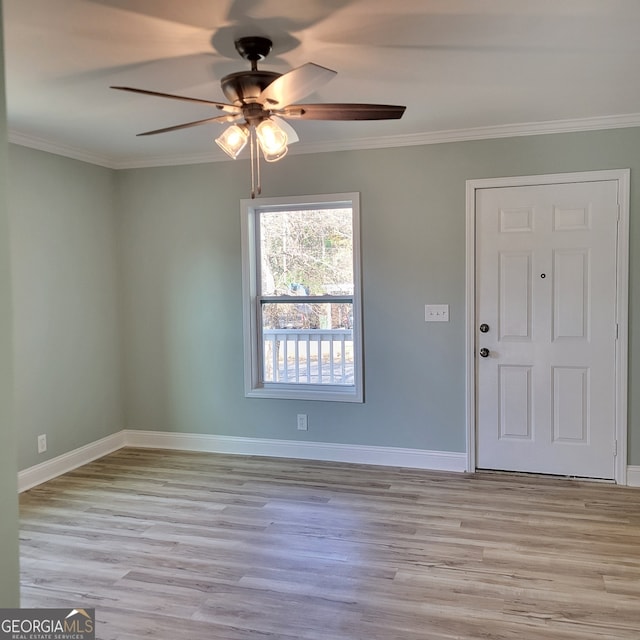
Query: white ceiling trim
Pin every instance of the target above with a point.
(434, 137)
(51, 146)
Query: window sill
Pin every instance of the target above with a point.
(308, 392)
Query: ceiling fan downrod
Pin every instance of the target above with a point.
(244, 87)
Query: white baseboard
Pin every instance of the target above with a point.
(330, 452)
(633, 476)
(55, 467)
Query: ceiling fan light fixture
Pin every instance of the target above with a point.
(233, 140)
(262, 102)
(272, 139)
(274, 157)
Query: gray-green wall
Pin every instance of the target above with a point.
(65, 274)
(135, 276)
(9, 592)
(182, 304)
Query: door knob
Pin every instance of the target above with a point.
(484, 352)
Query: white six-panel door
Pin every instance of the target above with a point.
(546, 360)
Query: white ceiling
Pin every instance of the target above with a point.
(463, 68)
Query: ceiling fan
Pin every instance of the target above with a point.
(260, 102)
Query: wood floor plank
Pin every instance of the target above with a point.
(171, 545)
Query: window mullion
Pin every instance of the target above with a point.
(305, 299)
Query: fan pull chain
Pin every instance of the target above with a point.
(251, 156)
(258, 164)
(256, 187)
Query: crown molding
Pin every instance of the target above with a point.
(172, 160)
(357, 144)
(60, 149)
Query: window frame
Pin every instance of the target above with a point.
(254, 384)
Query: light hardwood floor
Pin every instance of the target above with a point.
(172, 546)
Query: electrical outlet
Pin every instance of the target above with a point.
(302, 422)
(42, 443)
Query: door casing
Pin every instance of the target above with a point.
(622, 287)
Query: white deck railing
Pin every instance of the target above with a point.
(313, 356)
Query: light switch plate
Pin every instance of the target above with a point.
(436, 313)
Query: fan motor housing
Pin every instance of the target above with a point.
(246, 86)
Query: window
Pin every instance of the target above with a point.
(301, 288)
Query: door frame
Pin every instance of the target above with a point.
(622, 176)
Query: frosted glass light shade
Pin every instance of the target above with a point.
(233, 140)
(272, 140)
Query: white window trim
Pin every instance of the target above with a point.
(254, 387)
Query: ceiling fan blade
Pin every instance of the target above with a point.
(295, 84)
(344, 111)
(186, 125)
(229, 108)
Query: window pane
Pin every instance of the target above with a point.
(306, 252)
(308, 343)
